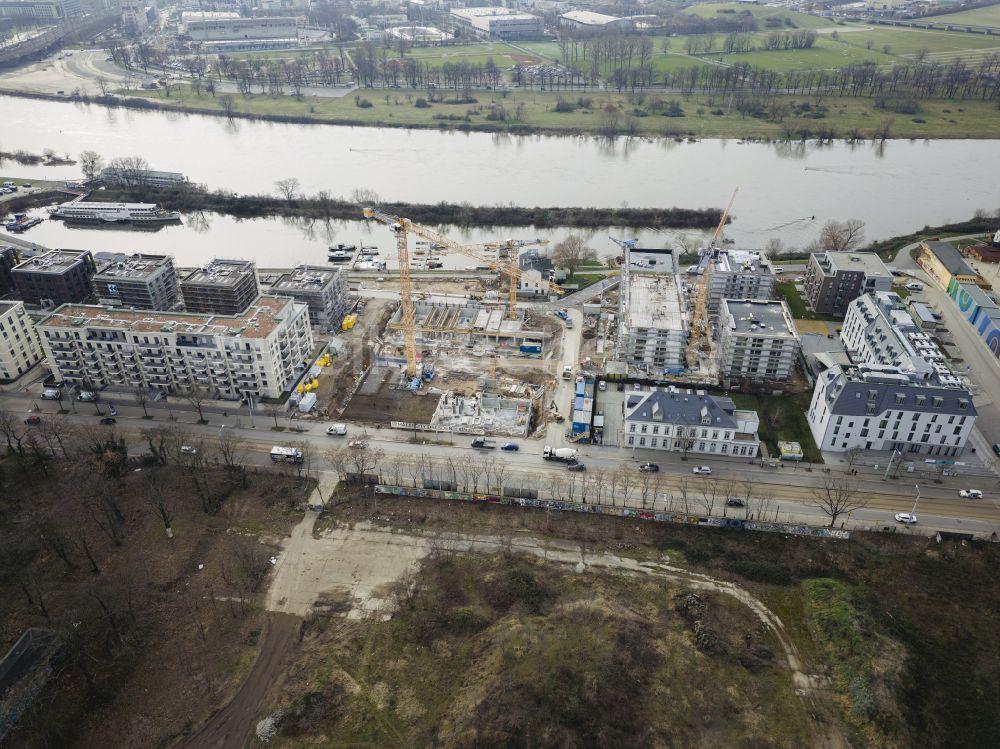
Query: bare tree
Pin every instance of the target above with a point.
(709, 489)
(571, 253)
(163, 441)
(853, 456)
(837, 236)
(684, 487)
(274, 411)
(197, 396)
(159, 497)
(142, 396)
(91, 164)
(838, 496)
(287, 187)
(227, 103)
(232, 449)
(599, 479)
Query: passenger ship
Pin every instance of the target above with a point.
(114, 213)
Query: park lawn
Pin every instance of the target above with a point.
(761, 13)
(782, 418)
(966, 119)
(826, 53)
(907, 42)
(466, 52)
(989, 16)
(548, 50)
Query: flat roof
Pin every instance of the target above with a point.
(305, 277)
(53, 261)
(257, 321)
(8, 306)
(208, 15)
(489, 12)
(221, 272)
(651, 261)
(589, 17)
(133, 266)
(867, 262)
(741, 261)
(654, 301)
(767, 317)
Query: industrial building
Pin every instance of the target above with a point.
(223, 287)
(734, 274)
(943, 263)
(653, 324)
(980, 310)
(229, 27)
(758, 341)
(897, 394)
(55, 277)
(479, 330)
(19, 347)
(585, 20)
(258, 353)
(835, 279)
(498, 23)
(46, 11)
(137, 281)
(323, 289)
(8, 259)
(141, 178)
(689, 422)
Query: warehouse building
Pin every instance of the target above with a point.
(55, 277)
(258, 353)
(137, 281)
(223, 287)
(585, 20)
(835, 279)
(19, 347)
(943, 263)
(498, 23)
(758, 341)
(226, 26)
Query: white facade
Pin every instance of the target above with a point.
(532, 281)
(499, 23)
(682, 421)
(738, 275)
(585, 19)
(19, 348)
(260, 352)
(757, 340)
(241, 29)
(134, 18)
(653, 324)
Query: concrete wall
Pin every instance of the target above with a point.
(983, 316)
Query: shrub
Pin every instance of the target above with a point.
(421, 103)
(564, 106)
(362, 103)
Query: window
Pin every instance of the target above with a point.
(643, 428)
(963, 405)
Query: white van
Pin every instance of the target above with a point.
(777, 269)
(914, 286)
(337, 430)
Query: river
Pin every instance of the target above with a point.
(787, 190)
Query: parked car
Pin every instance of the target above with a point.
(87, 396)
(996, 447)
(906, 518)
(735, 503)
(649, 468)
(576, 467)
(602, 386)
(511, 447)
(51, 394)
(189, 450)
(109, 421)
(970, 494)
(357, 444)
(703, 470)
(33, 420)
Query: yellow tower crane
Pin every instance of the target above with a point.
(701, 329)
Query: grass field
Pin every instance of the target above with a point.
(782, 418)
(941, 119)
(797, 304)
(989, 16)
(761, 13)
(826, 53)
(503, 55)
(943, 46)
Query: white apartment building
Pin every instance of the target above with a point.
(19, 348)
(691, 422)
(758, 341)
(899, 394)
(259, 352)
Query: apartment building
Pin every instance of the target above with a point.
(8, 259)
(55, 277)
(652, 316)
(19, 347)
(322, 289)
(898, 393)
(44, 11)
(758, 341)
(138, 281)
(258, 353)
(738, 275)
(835, 279)
(223, 287)
(498, 23)
(690, 422)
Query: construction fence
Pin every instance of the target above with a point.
(624, 512)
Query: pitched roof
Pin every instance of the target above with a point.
(950, 258)
(682, 408)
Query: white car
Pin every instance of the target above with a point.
(970, 494)
(906, 518)
(704, 470)
(189, 450)
(357, 444)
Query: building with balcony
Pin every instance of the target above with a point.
(734, 274)
(835, 279)
(19, 347)
(758, 341)
(258, 353)
(689, 422)
(138, 281)
(322, 289)
(223, 287)
(653, 324)
(55, 277)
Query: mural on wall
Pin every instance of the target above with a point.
(977, 315)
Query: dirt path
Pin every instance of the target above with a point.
(231, 727)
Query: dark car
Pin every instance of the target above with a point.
(33, 420)
(576, 467)
(510, 447)
(996, 447)
(735, 503)
(649, 468)
(109, 420)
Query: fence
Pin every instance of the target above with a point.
(624, 512)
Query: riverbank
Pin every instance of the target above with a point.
(574, 113)
(191, 199)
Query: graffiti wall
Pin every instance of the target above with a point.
(981, 312)
(623, 512)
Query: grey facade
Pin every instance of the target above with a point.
(324, 290)
(138, 281)
(738, 275)
(757, 341)
(8, 259)
(55, 277)
(223, 287)
(835, 279)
